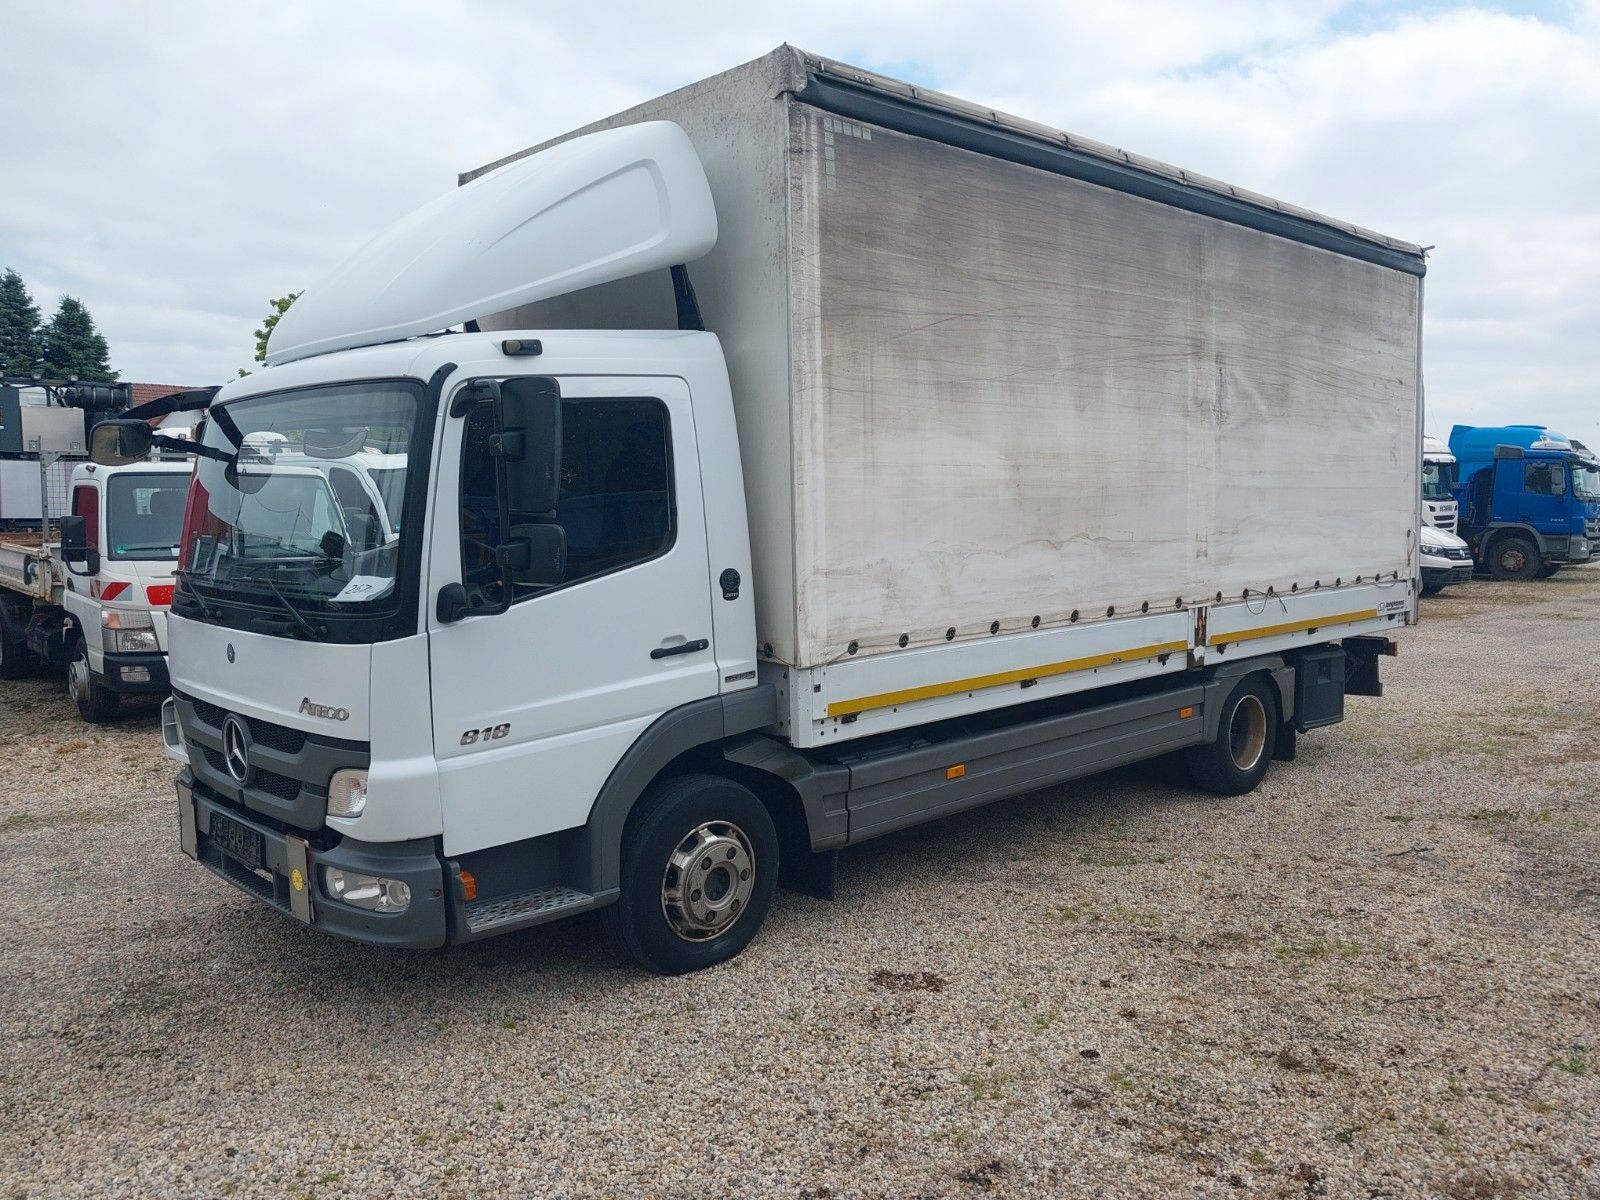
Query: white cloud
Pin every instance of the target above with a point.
(177, 166)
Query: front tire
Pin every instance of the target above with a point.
(96, 704)
(1236, 759)
(1514, 557)
(699, 868)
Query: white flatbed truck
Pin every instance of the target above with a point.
(822, 456)
(88, 587)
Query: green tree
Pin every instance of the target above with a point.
(19, 327)
(270, 322)
(73, 347)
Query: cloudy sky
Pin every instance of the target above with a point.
(175, 165)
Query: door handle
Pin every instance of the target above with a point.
(683, 648)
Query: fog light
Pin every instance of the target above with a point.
(135, 674)
(371, 892)
(347, 793)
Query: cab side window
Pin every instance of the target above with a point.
(616, 502)
(1544, 479)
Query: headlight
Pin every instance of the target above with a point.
(126, 631)
(347, 793)
(367, 891)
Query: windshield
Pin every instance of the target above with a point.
(298, 520)
(144, 516)
(1437, 480)
(1586, 481)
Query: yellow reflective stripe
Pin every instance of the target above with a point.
(843, 708)
(1247, 635)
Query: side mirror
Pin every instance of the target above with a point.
(118, 443)
(544, 561)
(75, 546)
(529, 445)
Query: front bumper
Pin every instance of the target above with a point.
(1444, 576)
(136, 674)
(285, 856)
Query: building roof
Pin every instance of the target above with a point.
(151, 391)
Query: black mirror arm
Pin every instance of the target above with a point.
(185, 446)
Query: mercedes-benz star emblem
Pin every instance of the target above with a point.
(236, 749)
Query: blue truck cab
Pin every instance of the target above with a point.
(1529, 500)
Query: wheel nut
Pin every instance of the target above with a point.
(744, 874)
(735, 906)
(695, 895)
(705, 864)
(731, 852)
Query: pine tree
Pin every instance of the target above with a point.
(74, 348)
(19, 327)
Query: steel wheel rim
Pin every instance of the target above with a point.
(1247, 732)
(1512, 559)
(709, 879)
(78, 678)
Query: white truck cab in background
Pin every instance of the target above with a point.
(680, 585)
(90, 587)
(1439, 475)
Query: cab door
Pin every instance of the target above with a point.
(1543, 500)
(534, 706)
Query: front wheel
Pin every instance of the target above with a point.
(1235, 760)
(699, 867)
(1514, 558)
(96, 704)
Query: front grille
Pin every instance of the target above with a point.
(262, 780)
(273, 737)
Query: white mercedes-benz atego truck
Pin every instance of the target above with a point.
(784, 462)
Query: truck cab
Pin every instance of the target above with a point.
(117, 640)
(1529, 500)
(90, 589)
(1439, 472)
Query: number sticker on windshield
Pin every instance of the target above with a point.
(363, 587)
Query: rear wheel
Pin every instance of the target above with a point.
(1235, 760)
(1514, 557)
(96, 704)
(699, 867)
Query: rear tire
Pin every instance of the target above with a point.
(1236, 760)
(699, 868)
(1514, 557)
(96, 704)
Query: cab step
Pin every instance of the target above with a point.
(503, 913)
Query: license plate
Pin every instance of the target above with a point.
(236, 840)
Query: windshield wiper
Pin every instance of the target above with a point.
(148, 546)
(206, 611)
(315, 632)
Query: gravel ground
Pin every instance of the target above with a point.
(1377, 976)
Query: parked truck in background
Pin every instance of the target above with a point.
(87, 586)
(823, 456)
(1438, 484)
(1529, 501)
